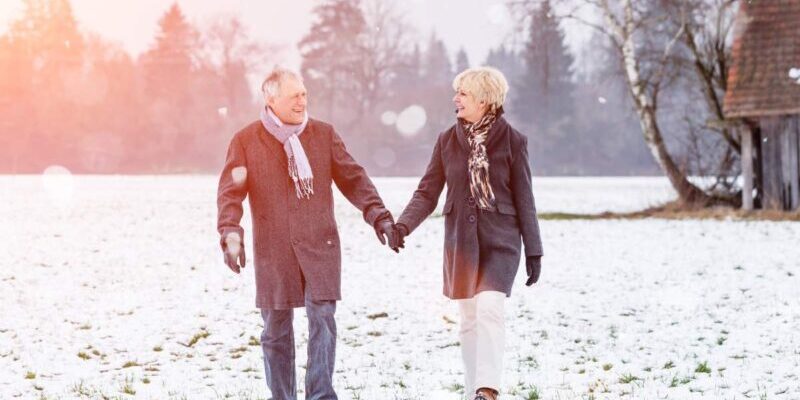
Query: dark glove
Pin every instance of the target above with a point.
(534, 267)
(384, 228)
(233, 249)
(401, 230)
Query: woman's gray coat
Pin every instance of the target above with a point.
(481, 248)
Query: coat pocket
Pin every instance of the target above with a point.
(506, 208)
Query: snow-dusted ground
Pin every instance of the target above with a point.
(103, 294)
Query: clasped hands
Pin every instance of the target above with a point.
(391, 233)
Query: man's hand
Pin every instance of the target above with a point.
(534, 267)
(234, 250)
(385, 230)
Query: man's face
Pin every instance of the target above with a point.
(290, 103)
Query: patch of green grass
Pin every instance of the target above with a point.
(128, 389)
(196, 338)
(669, 365)
(455, 388)
(130, 364)
(607, 367)
(703, 368)
(84, 356)
(254, 341)
(561, 216)
(158, 348)
(532, 393)
(30, 375)
(531, 361)
(374, 333)
(628, 378)
(721, 340)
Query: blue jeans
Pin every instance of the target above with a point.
(277, 342)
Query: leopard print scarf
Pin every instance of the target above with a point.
(477, 133)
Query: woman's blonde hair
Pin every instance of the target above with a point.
(486, 84)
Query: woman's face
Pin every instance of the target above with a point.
(467, 107)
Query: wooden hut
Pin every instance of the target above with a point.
(763, 94)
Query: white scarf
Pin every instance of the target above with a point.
(288, 135)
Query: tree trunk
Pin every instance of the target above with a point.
(688, 193)
(645, 104)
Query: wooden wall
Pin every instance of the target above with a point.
(780, 162)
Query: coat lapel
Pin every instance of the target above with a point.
(496, 131)
(461, 137)
(272, 144)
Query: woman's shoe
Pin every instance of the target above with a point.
(485, 394)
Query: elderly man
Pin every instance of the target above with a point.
(286, 163)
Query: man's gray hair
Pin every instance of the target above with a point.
(272, 83)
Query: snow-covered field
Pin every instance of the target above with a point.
(115, 288)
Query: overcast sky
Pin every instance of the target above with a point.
(475, 25)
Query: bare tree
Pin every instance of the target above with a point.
(645, 40)
(235, 54)
(657, 43)
(385, 46)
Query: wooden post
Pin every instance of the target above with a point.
(747, 168)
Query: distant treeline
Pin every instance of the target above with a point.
(71, 98)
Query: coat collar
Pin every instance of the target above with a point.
(276, 147)
(495, 132)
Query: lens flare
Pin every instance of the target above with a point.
(389, 118)
(239, 175)
(411, 120)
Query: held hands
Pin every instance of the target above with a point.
(234, 251)
(386, 231)
(534, 267)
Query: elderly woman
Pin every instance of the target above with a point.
(488, 208)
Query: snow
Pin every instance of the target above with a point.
(131, 273)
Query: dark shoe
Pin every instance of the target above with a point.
(485, 394)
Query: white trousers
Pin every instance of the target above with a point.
(482, 337)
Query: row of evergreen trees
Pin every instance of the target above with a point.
(68, 97)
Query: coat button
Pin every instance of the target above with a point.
(472, 218)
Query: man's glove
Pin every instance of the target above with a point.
(234, 251)
(384, 228)
(534, 267)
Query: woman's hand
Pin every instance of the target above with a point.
(534, 267)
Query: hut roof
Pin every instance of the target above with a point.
(765, 72)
